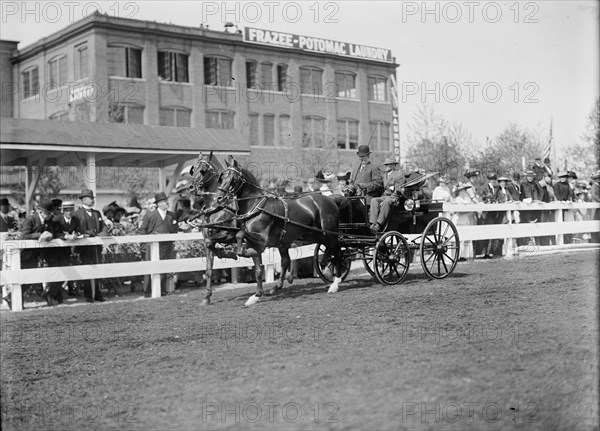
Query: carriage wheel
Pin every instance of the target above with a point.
(392, 258)
(368, 258)
(440, 248)
(327, 273)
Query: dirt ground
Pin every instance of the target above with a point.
(506, 344)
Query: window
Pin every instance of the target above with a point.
(217, 71)
(253, 129)
(266, 75)
(173, 66)
(311, 80)
(219, 120)
(251, 74)
(269, 129)
(31, 83)
(281, 76)
(81, 62)
(347, 134)
(58, 70)
(178, 117)
(313, 132)
(285, 131)
(377, 88)
(124, 61)
(345, 83)
(381, 135)
(126, 114)
(60, 116)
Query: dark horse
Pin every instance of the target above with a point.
(270, 221)
(221, 226)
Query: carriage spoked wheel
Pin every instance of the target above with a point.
(368, 259)
(440, 248)
(392, 258)
(327, 272)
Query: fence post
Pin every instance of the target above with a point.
(560, 239)
(16, 290)
(155, 278)
(269, 273)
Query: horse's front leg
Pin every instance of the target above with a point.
(337, 259)
(210, 256)
(258, 272)
(285, 266)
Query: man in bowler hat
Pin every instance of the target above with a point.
(7, 222)
(90, 224)
(158, 222)
(367, 177)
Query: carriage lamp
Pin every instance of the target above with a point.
(417, 204)
(409, 204)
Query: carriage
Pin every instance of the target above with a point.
(239, 211)
(414, 229)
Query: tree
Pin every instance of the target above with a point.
(504, 154)
(591, 136)
(436, 146)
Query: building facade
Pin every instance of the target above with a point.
(299, 102)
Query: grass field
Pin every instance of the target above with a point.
(498, 345)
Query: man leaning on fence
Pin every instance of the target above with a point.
(159, 222)
(91, 224)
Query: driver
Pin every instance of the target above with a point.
(418, 190)
(366, 178)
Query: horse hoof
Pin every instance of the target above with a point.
(290, 278)
(333, 288)
(205, 302)
(252, 300)
(273, 291)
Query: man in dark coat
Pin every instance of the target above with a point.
(36, 226)
(91, 224)
(66, 227)
(367, 177)
(562, 189)
(7, 222)
(159, 222)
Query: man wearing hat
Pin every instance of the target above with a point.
(185, 210)
(7, 222)
(57, 205)
(65, 227)
(390, 177)
(36, 226)
(159, 222)
(90, 224)
(367, 177)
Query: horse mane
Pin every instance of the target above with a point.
(249, 176)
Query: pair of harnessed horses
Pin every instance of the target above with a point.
(238, 211)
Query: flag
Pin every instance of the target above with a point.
(548, 145)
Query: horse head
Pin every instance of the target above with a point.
(231, 181)
(203, 173)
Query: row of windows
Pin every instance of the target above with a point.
(314, 133)
(173, 66)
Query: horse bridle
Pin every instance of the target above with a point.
(198, 185)
(232, 193)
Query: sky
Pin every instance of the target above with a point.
(483, 64)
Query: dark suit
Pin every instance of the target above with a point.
(390, 180)
(369, 179)
(91, 225)
(60, 256)
(7, 223)
(154, 224)
(31, 228)
(563, 191)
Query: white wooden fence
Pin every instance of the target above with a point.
(13, 277)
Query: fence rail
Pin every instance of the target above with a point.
(13, 277)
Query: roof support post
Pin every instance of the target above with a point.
(89, 172)
(32, 178)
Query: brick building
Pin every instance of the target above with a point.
(293, 98)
